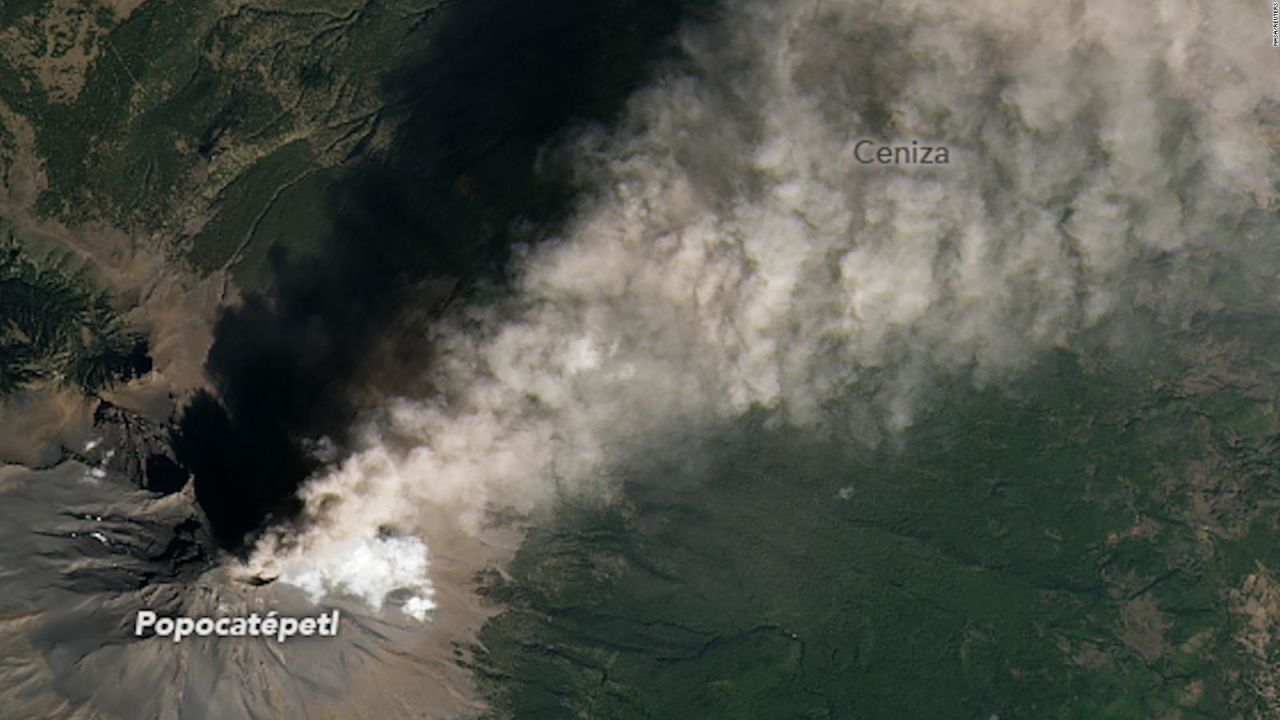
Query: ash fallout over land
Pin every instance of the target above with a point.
(416, 226)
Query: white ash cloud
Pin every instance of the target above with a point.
(730, 253)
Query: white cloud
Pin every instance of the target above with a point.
(730, 253)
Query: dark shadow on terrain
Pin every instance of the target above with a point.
(497, 81)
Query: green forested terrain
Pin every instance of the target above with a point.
(1092, 549)
(57, 326)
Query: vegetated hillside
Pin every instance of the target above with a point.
(55, 326)
(212, 126)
